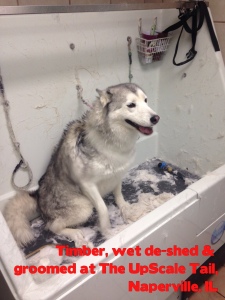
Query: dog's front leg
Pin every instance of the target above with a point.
(91, 191)
(121, 203)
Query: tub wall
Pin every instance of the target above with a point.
(192, 104)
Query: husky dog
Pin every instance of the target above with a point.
(88, 163)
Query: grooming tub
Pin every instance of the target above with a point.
(41, 69)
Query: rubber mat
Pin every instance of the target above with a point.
(146, 179)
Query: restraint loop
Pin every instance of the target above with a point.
(129, 41)
(197, 16)
(22, 164)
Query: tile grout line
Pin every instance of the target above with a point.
(220, 294)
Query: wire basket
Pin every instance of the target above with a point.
(152, 49)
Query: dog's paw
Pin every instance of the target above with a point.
(79, 240)
(107, 233)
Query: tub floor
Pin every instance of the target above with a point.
(146, 182)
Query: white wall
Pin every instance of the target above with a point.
(38, 69)
(192, 108)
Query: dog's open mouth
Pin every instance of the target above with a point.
(142, 129)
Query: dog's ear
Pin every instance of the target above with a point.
(104, 96)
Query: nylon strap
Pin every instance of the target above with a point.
(197, 14)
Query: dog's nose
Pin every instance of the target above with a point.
(155, 119)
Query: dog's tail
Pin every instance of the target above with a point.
(18, 212)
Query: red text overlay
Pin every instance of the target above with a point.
(136, 269)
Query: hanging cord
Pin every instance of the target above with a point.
(22, 164)
(80, 96)
(129, 40)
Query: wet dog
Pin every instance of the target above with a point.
(89, 162)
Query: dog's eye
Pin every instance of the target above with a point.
(146, 100)
(131, 105)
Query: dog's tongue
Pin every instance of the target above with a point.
(145, 130)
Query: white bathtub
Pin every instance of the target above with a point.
(39, 70)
